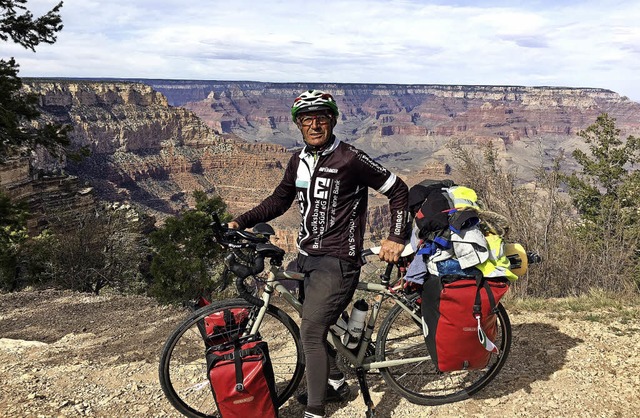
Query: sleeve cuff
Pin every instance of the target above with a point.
(397, 239)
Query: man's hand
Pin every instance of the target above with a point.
(390, 251)
(233, 225)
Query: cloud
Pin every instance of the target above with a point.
(569, 43)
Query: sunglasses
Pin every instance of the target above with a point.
(321, 119)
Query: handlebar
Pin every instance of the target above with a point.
(257, 242)
(386, 276)
(245, 265)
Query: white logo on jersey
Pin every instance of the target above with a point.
(321, 190)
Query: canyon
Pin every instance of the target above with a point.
(152, 142)
(407, 127)
(142, 151)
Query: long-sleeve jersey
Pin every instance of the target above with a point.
(331, 189)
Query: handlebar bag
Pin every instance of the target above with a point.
(459, 320)
(242, 380)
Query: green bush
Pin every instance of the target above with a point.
(13, 232)
(186, 262)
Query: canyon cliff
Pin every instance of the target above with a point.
(152, 142)
(142, 151)
(407, 127)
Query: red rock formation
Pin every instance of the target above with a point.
(152, 154)
(52, 198)
(260, 111)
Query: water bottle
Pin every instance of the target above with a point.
(356, 324)
(340, 327)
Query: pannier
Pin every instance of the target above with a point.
(242, 380)
(225, 325)
(222, 326)
(459, 314)
(462, 265)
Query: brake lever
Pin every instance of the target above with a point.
(226, 279)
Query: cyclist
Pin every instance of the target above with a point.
(330, 180)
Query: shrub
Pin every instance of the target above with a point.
(13, 231)
(588, 239)
(106, 249)
(186, 263)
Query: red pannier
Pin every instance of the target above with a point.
(242, 380)
(459, 313)
(224, 325)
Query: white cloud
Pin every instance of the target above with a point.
(581, 44)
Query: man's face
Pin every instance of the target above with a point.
(316, 127)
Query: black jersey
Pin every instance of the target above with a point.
(331, 188)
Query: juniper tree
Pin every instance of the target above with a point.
(605, 193)
(607, 180)
(186, 261)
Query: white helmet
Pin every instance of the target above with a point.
(313, 100)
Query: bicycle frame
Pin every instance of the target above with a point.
(399, 340)
(359, 358)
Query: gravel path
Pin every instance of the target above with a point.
(70, 355)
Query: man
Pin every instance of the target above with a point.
(330, 180)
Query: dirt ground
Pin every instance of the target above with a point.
(64, 354)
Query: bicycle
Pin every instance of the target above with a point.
(399, 351)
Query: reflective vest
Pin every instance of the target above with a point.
(497, 265)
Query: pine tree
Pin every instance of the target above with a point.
(605, 193)
(607, 181)
(17, 109)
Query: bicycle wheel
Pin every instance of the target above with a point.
(401, 337)
(183, 368)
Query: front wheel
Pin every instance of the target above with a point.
(400, 337)
(183, 367)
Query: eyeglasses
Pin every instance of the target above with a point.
(321, 119)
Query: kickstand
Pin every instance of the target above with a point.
(364, 389)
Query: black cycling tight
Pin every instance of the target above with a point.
(328, 289)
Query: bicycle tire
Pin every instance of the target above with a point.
(183, 372)
(400, 336)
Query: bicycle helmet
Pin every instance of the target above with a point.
(311, 100)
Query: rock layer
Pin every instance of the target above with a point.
(146, 152)
(370, 112)
(231, 138)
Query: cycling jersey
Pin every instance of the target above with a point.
(331, 189)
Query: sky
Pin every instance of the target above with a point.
(483, 42)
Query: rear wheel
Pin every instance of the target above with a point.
(183, 368)
(401, 337)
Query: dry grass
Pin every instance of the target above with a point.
(591, 305)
